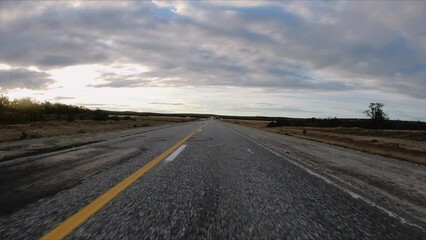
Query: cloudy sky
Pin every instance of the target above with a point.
(273, 58)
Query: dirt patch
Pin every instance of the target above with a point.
(17, 132)
(400, 144)
(56, 136)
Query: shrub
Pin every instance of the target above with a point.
(23, 135)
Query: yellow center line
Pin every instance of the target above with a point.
(73, 222)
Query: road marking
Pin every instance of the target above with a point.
(296, 162)
(73, 222)
(175, 153)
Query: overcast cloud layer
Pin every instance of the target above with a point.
(306, 46)
(23, 78)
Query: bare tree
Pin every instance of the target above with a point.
(376, 113)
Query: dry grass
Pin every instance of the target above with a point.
(400, 144)
(9, 133)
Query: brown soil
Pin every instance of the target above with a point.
(16, 132)
(400, 144)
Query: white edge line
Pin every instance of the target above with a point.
(176, 153)
(327, 180)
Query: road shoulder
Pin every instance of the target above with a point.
(396, 185)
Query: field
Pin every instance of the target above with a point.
(34, 130)
(400, 144)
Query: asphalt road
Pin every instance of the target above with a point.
(221, 185)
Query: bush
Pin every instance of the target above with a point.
(336, 122)
(23, 135)
(25, 110)
(70, 118)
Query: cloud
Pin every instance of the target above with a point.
(23, 78)
(101, 105)
(114, 80)
(312, 46)
(58, 98)
(166, 103)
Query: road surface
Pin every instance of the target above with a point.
(204, 180)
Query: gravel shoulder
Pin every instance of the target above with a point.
(44, 212)
(393, 184)
(406, 145)
(29, 147)
(36, 168)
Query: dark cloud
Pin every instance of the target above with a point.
(114, 80)
(288, 79)
(52, 60)
(315, 46)
(23, 78)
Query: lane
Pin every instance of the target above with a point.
(27, 179)
(39, 217)
(69, 225)
(395, 185)
(218, 189)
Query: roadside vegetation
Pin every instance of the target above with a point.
(26, 118)
(408, 145)
(404, 140)
(377, 120)
(26, 110)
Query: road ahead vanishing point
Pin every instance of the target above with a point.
(205, 180)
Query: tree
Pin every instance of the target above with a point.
(4, 102)
(376, 113)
